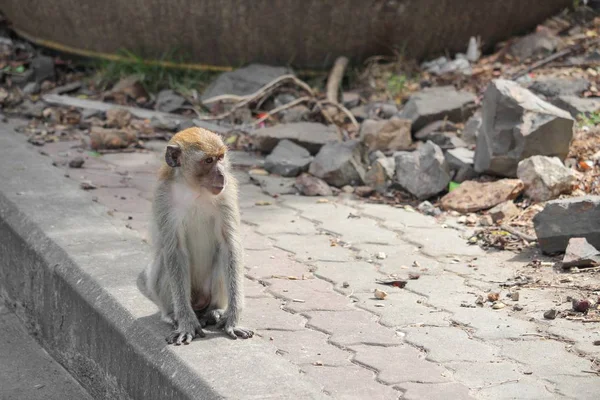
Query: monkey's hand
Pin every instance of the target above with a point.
(185, 332)
(228, 323)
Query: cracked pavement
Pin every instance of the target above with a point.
(311, 269)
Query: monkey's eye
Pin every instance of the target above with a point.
(208, 160)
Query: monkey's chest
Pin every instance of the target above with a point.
(199, 228)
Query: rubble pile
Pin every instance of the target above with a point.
(496, 138)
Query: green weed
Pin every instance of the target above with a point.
(155, 77)
(591, 119)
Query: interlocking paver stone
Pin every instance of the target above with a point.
(438, 391)
(546, 358)
(525, 388)
(309, 295)
(353, 327)
(400, 364)
(313, 247)
(274, 264)
(359, 275)
(267, 314)
(350, 382)
(307, 347)
(296, 267)
(444, 344)
(401, 308)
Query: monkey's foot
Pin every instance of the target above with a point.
(185, 334)
(236, 332)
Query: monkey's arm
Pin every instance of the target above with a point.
(176, 262)
(231, 259)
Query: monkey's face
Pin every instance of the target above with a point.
(209, 173)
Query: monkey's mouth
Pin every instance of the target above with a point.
(216, 189)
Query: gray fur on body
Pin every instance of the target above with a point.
(197, 249)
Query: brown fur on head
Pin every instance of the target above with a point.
(199, 157)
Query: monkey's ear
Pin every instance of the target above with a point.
(173, 156)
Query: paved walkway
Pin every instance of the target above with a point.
(311, 272)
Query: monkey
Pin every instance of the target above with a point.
(196, 275)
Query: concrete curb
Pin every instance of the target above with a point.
(70, 275)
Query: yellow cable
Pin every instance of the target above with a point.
(114, 57)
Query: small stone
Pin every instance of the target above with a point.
(345, 284)
(381, 255)
(518, 307)
(498, 305)
(350, 99)
(428, 209)
(87, 185)
(485, 220)
(563, 219)
(557, 86)
(439, 103)
(381, 173)
(473, 52)
(424, 172)
(514, 296)
(31, 88)
(169, 101)
(348, 189)
(576, 106)
(118, 118)
(512, 114)
(162, 123)
(580, 253)
(493, 296)
(504, 211)
(244, 81)
(258, 171)
(471, 129)
(43, 68)
(581, 305)
(77, 162)
(387, 135)
(380, 294)
(545, 178)
(550, 314)
(309, 185)
(288, 159)
(364, 191)
(339, 163)
(460, 162)
(379, 110)
(473, 196)
(596, 343)
(541, 43)
(310, 135)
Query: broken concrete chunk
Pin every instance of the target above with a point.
(433, 104)
(471, 129)
(244, 81)
(441, 133)
(545, 178)
(310, 185)
(563, 219)
(460, 162)
(379, 110)
(275, 185)
(423, 172)
(43, 68)
(580, 253)
(536, 44)
(288, 159)
(553, 86)
(381, 173)
(339, 163)
(310, 135)
(169, 101)
(504, 211)
(118, 117)
(576, 105)
(517, 124)
(473, 196)
(386, 135)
